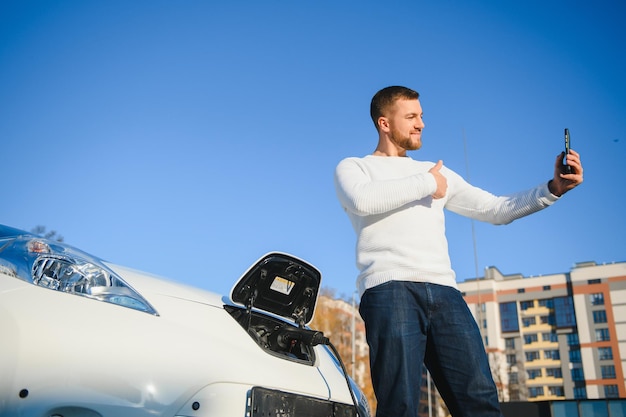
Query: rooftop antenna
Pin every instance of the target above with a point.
(475, 248)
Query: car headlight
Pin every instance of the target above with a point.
(61, 268)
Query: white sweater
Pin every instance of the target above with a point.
(400, 228)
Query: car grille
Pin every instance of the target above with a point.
(265, 402)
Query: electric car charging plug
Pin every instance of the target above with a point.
(287, 334)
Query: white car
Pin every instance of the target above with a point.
(84, 337)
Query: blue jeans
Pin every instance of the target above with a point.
(410, 323)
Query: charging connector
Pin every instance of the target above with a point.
(286, 335)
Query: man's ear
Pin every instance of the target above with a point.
(383, 124)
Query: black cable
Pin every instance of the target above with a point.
(345, 374)
(286, 334)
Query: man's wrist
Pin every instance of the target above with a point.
(552, 189)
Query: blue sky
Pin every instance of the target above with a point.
(188, 138)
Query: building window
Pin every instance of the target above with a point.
(552, 354)
(565, 408)
(525, 305)
(521, 290)
(548, 319)
(547, 302)
(547, 288)
(513, 378)
(572, 339)
(599, 316)
(602, 335)
(509, 343)
(532, 356)
(564, 310)
(549, 337)
(511, 359)
(608, 371)
(530, 338)
(611, 391)
(535, 392)
(529, 321)
(556, 391)
(594, 281)
(580, 393)
(554, 372)
(597, 299)
(605, 353)
(534, 373)
(578, 375)
(508, 317)
(574, 356)
(616, 408)
(593, 408)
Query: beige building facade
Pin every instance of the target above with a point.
(554, 337)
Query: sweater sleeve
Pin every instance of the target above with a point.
(481, 205)
(359, 194)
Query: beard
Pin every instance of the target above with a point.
(406, 141)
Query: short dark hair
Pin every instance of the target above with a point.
(384, 98)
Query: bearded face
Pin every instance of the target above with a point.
(404, 125)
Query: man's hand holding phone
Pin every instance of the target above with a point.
(568, 170)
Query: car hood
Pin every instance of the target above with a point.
(277, 283)
(150, 284)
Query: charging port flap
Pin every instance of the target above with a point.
(280, 284)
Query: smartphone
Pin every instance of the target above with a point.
(566, 168)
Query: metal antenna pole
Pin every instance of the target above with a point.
(474, 245)
(353, 333)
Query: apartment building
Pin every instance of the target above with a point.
(554, 337)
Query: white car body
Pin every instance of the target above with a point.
(66, 353)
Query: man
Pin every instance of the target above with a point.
(410, 303)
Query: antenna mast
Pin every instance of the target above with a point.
(480, 310)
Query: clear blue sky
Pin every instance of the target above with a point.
(188, 138)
